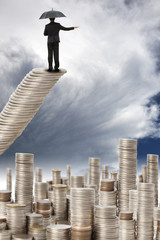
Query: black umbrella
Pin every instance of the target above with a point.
(52, 14)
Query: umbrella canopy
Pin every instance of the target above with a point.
(52, 14)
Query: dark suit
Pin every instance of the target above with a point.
(52, 31)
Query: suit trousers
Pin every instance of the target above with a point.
(53, 49)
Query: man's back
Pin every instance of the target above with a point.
(52, 31)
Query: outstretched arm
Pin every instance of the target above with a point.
(67, 28)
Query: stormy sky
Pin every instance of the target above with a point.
(111, 88)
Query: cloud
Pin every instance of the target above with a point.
(111, 61)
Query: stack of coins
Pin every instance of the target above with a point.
(85, 178)
(9, 179)
(38, 175)
(105, 172)
(144, 173)
(51, 199)
(16, 218)
(33, 219)
(96, 192)
(68, 174)
(82, 207)
(156, 217)
(56, 176)
(114, 177)
(24, 103)
(50, 183)
(41, 191)
(51, 196)
(106, 223)
(38, 232)
(82, 233)
(140, 178)
(5, 235)
(3, 223)
(24, 179)
(126, 226)
(5, 198)
(68, 209)
(44, 208)
(158, 230)
(94, 171)
(21, 237)
(133, 203)
(58, 232)
(60, 201)
(108, 196)
(127, 171)
(77, 182)
(64, 180)
(145, 211)
(152, 166)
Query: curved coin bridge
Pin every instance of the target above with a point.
(24, 103)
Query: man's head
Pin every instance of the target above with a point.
(52, 19)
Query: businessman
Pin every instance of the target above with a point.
(52, 31)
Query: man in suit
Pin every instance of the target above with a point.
(52, 31)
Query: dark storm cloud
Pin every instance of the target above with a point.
(155, 49)
(131, 3)
(16, 62)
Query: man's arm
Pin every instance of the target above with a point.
(66, 28)
(45, 31)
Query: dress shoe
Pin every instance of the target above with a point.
(50, 69)
(56, 70)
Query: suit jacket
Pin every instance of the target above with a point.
(52, 31)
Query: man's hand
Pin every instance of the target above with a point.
(76, 27)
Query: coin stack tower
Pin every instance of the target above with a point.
(152, 167)
(24, 180)
(94, 171)
(127, 171)
(24, 104)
